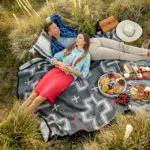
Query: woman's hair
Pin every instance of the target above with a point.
(85, 47)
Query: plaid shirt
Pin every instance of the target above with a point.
(65, 30)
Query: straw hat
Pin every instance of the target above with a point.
(128, 31)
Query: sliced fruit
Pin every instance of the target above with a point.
(110, 92)
(105, 88)
(116, 75)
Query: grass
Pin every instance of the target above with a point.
(20, 131)
(113, 138)
(20, 26)
(27, 29)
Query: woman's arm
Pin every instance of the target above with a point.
(59, 56)
(59, 64)
(57, 61)
(85, 69)
(74, 71)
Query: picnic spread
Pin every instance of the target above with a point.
(112, 86)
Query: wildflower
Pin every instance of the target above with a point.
(87, 11)
(75, 4)
(129, 129)
(79, 2)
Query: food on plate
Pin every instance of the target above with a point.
(140, 92)
(127, 68)
(121, 81)
(111, 84)
(105, 88)
(105, 80)
(116, 75)
(135, 72)
(117, 88)
(123, 98)
(110, 92)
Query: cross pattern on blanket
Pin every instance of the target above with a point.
(99, 108)
(80, 107)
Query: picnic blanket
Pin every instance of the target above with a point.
(81, 106)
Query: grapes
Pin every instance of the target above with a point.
(123, 98)
(110, 75)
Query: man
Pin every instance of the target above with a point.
(101, 48)
(53, 30)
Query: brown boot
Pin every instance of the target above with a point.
(146, 44)
(148, 54)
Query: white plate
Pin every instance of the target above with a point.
(139, 101)
(114, 95)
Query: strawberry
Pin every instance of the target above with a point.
(116, 75)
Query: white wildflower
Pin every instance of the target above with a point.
(75, 4)
(79, 2)
(129, 129)
(87, 11)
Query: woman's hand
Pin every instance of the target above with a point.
(74, 71)
(56, 63)
(69, 68)
(63, 67)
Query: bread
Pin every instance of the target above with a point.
(127, 68)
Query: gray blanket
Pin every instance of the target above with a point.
(80, 107)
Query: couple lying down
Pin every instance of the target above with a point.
(74, 62)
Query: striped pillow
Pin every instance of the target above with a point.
(43, 45)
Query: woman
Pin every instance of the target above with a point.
(69, 64)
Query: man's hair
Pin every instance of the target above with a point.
(47, 26)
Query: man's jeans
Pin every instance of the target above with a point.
(103, 48)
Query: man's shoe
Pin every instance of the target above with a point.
(146, 44)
